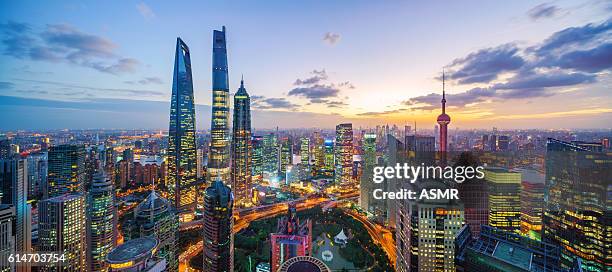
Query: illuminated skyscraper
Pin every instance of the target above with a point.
(319, 152)
(218, 252)
(286, 155)
(328, 147)
(577, 213)
(257, 160)
(14, 191)
(66, 170)
(305, 150)
(157, 218)
(62, 228)
(443, 120)
(292, 239)
(426, 232)
(504, 198)
(100, 222)
(343, 160)
(219, 157)
(270, 157)
(532, 203)
(242, 149)
(369, 161)
(182, 164)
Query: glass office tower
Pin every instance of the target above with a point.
(577, 196)
(218, 159)
(182, 164)
(242, 149)
(218, 252)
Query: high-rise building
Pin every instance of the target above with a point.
(101, 222)
(271, 157)
(291, 239)
(14, 191)
(577, 212)
(504, 198)
(5, 149)
(443, 120)
(532, 203)
(7, 237)
(305, 150)
(286, 155)
(319, 152)
(156, 217)
(37, 173)
(366, 184)
(66, 170)
(329, 155)
(242, 148)
(426, 231)
(257, 160)
(343, 152)
(62, 228)
(219, 157)
(218, 252)
(182, 164)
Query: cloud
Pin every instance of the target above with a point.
(592, 60)
(331, 38)
(6, 85)
(576, 36)
(317, 76)
(315, 91)
(145, 10)
(318, 91)
(147, 80)
(261, 102)
(545, 10)
(64, 43)
(486, 64)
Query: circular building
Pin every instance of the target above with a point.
(304, 264)
(133, 255)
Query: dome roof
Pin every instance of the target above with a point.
(444, 118)
(153, 204)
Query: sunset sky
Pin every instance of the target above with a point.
(509, 64)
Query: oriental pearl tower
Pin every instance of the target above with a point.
(443, 120)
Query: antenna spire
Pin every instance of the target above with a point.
(443, 92)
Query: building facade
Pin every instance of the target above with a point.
(343, 154)
(219, 157)
(242, 149)
(66, 170)
(218, 252)
(504, 198)
(182, 164)
(101, 222)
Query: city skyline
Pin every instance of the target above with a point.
(547, 68)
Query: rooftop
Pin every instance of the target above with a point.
(132, 250)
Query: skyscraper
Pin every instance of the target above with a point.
(504, 198)
(218, 252)
(443, 120)
(305, 151)
(182, 164)
(218, 159)
(62, 228)
(157, 218)
(257, 160)
(14, 191)
(66, 170)
(242, 148)
(7, 237)
(532, 203)
(286, 155)
(343, 154)
(369, 161)
(577, 212)
(292, 239)
(100, 222)
(319, 152)
(426, 231)
(270, 157)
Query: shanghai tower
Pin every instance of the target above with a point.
(181, 141)
(218, 159)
